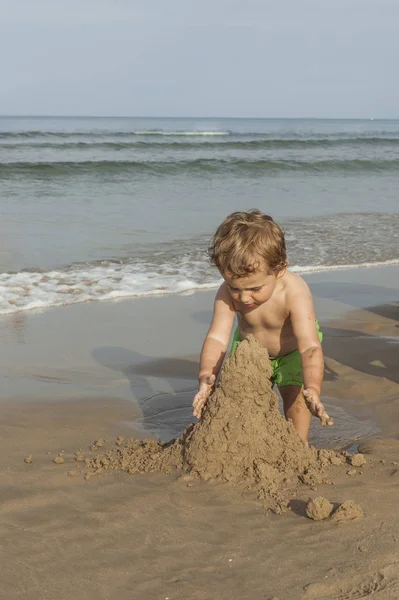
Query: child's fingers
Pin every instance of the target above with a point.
(202, 396)
(198, 410)
(203, 392)
(317, 409)
(197, 399)
(199, 403)
(325, 419)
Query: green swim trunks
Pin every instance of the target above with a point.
(287, 369)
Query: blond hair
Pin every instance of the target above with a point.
(244, 241)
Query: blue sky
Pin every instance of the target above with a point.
(247, 58)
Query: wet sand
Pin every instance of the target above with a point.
(76, 374)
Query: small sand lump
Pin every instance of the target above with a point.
(28, 459)
(58, 460)
(337, 460)
(97, 444)
(351, 472)
(347, 511)
(318, 508)
(357, 460)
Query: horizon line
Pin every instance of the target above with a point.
(87, 116)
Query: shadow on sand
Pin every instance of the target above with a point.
(162, 387)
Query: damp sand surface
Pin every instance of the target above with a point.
(174, 535)
(95, 512)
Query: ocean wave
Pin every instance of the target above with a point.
(29, 290)
(289, 136)
(234, 166)
(104, 133)
(323, 268)
(177, 133)
(228, 144)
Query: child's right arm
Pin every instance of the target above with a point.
(214, 347)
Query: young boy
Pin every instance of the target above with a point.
(271, 303)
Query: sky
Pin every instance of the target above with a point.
(222, 58)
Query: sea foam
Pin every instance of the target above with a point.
(28, 290)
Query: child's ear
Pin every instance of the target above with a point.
(283, 270)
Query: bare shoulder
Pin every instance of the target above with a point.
(302, 313)
(296, 288)
(223, 307)
(223, 316)
(223, 296)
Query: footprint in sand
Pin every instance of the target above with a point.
(383, 584)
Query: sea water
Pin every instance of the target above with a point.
(100, 208)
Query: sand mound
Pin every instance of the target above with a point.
(347, 511)
(318, 508)
(242, 437)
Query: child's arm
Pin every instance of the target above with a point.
(214, 347)
(303, 320)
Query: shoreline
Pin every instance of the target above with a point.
(34, 279)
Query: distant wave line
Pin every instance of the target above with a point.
(365, 136)
(256, 144)
(65, 134)
(185, 133)
(197, 165)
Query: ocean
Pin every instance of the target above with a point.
(101, 208)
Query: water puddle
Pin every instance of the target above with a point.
(348, 431)
(165, 416)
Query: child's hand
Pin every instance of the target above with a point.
(205, 389)
(316, 407)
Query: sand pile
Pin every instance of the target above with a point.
(242, 437)
(320, 508)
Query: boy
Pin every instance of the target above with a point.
(274, 305)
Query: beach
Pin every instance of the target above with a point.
(98, 370)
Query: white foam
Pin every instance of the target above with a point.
(321, 268)
(28, 290)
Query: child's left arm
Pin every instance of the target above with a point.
(303, 321)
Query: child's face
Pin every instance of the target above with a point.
(253, 290)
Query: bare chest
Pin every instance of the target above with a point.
(271, 316)
(270, 325)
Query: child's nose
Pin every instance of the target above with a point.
(245, 297)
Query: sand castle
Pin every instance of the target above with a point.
(241, 438)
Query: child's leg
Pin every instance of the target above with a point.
(296, 409)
